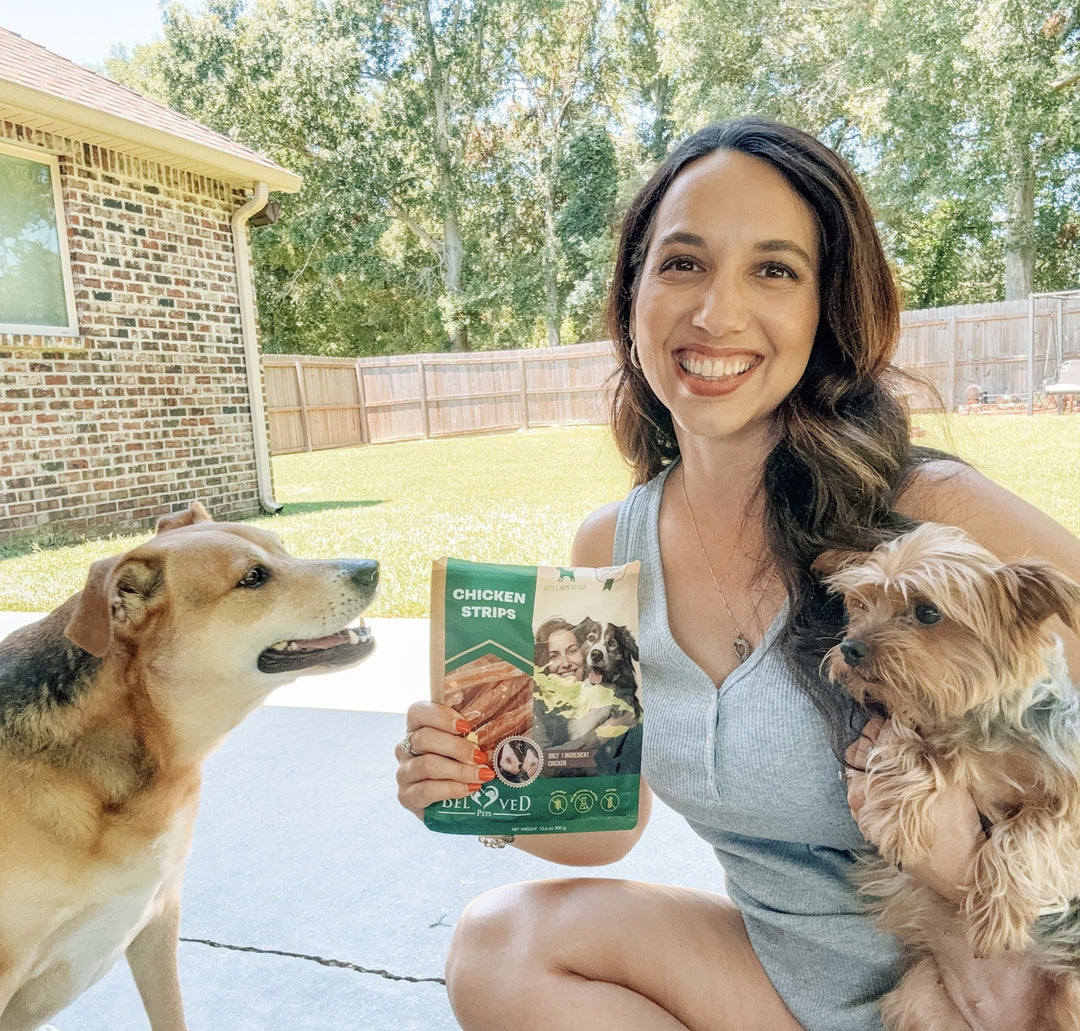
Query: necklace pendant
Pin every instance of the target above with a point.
(742, 648)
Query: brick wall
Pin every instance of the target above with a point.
(148, 408)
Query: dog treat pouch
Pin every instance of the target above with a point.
(542, 661)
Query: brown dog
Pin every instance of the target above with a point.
(958, 647)
(108, 707)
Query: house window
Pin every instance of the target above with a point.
(36, 295)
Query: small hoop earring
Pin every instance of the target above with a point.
(635, 361)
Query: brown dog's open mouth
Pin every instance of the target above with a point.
(344, 648)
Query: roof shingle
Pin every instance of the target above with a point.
(37, 82)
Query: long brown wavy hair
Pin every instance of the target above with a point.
(844, 447)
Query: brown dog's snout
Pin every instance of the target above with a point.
(363, 572)
(854, 650)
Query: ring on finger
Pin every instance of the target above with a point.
(406, 744)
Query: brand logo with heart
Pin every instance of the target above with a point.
(486, 796)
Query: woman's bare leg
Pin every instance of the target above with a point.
(566, 954)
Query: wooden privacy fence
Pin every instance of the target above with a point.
(327, 402)
(1008, 349)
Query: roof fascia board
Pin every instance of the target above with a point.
(41, 103)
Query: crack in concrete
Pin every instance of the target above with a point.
(323, 961)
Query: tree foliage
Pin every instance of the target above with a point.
(465, 161)
(962, 118)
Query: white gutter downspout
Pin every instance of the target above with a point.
(252, 358)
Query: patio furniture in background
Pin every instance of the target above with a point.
(1065, 389)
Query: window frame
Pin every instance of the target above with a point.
(53, 162)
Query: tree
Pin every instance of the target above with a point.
(647, 87)
(439, 66)
(781, 59)
(961, 117)
(584, 226)
(377, 105)
(464, 160)
(980, 115)
(554, 79)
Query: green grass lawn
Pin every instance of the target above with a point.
(503, 498)
(510, 498)
(1037, 458)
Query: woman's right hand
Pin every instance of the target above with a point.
(959, 833)
(440, 762)
(444, 764)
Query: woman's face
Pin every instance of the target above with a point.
(727, 307)
(565, 658)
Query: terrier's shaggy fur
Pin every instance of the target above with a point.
(958, 648)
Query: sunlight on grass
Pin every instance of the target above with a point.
(512, 498)
(1037, 458)
(507, 498)
(503, 498)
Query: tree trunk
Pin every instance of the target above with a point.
(661, 124)
(453, 246)
(551, 252)
(1020, 241)
(551, 296)
(454, 253)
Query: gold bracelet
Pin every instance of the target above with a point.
(497, 840)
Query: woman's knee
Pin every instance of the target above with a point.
(484, 929)
(508, 938)
(495, 923)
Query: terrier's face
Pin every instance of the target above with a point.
(938, 626)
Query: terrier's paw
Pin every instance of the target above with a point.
(904, 836)
(996, 926)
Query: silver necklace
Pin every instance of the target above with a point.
(740, 644)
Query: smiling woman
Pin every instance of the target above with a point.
(755, 319)
(734, 300)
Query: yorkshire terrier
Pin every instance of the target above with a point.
(957, 648)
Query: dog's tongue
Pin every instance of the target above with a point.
(349, 635)
(595, 676)
(332, 641)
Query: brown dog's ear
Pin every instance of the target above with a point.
(89, 625)
(1042, 590)
(195, 514)
(118, 592)
(829, 562)
(135, 585)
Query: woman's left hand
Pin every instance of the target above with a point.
(959, 830)
(855, 760)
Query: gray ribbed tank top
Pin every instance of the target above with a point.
(749, 766)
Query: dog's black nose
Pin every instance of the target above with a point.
(364, 572)
(854, 650)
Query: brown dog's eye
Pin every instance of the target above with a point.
(256, 576)
(928, 615)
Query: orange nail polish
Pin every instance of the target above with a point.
(486, 773)
(463, 727)
(480, 757)
(474, 787)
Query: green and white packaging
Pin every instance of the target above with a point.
(542, 661)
